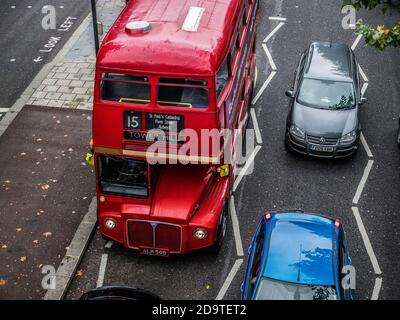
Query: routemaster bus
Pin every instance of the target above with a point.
(167, 66)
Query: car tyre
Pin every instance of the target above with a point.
(216, 247)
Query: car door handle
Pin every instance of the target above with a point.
(242, 287)
(249, 249)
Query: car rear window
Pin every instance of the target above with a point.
(185, 93)
(125, 88)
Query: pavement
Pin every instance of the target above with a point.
(363, 190)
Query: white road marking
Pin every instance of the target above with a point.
(271, 61)
(255, 77)
(363, 181)
(264, 86)
(256, 127)
(367, 243)
(12, 60)
(277, 18)
(362, 74)
(364, 88)
(109, 244)
(366, 147)
(274, 31)
(355, 44)
(102, 271)
(377, 289)
(228, 281)
(246, 167)
(236, 228)
(4, 110)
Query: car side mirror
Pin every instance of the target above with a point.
(363, 100)
(290, 94)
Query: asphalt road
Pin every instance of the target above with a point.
(41, 203)
(22, 37)
(282, 180)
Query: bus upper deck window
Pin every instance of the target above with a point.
(222, 77)
(125, 88)
(186, 93)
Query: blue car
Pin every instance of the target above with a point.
(298, 256)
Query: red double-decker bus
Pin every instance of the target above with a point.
(167, 66)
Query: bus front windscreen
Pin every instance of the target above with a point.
(123, 176)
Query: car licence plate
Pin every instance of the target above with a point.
(154, 252)
(322, 148)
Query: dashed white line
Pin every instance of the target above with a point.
(102, 271)
(236, 229)
(109, 244)
(363, 181)
(4, 110)
(366, 240)
(364, 88)
(264, 86)
(228, 281)
(362, 74)
(377, 289)
(277, 18)
(274, 31)
(355, 44)
(246, 167)
(271, 61)
(256, 127)
(365, 145)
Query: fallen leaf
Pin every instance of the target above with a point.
(35, 241)
(7, 181)
(18, 229)
(23, 154)
(207, 286)
(38, 140)
(22, 259)
(45, 186)
(47, 234)
(79, 273)
(3, 282)
(4, 246)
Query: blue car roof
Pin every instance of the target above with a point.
(301, 249)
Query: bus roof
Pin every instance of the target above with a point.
(167, 48)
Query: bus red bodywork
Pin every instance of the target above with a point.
(139, 75)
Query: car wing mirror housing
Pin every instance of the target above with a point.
(290, 94)
(363, 100)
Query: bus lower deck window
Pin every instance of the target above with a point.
(183, 93)
(125, 88)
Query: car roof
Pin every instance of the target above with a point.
(301, 249)
(329, 61)
(167, 48)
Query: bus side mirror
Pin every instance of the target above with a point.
(290, 94)
(89, 159)
(223, 170)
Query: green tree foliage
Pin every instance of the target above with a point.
(379, 36)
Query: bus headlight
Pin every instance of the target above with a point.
(200, 234)
(110, 223)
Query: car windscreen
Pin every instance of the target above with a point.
(125, 88)
(185, 93)
(326, 94)
(123, 176)
(269, 289)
